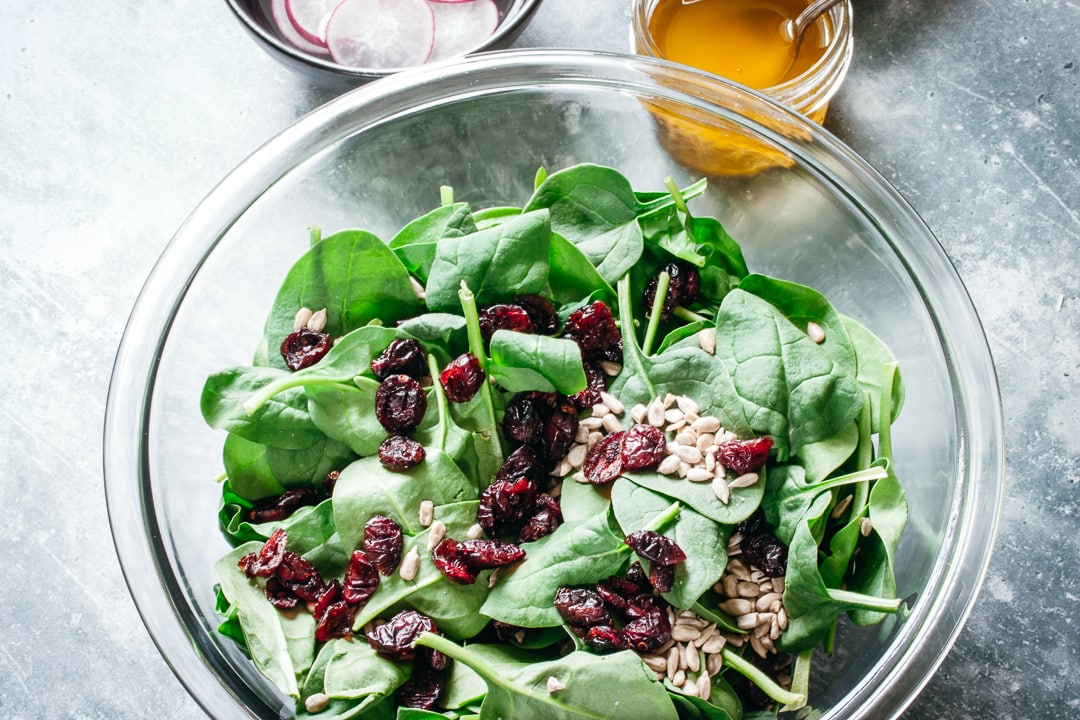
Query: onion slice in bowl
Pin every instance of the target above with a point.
(310, 17)
(280, 13)
(461, 25)
(381, 33)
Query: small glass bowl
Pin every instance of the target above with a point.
(376, 157)
(808, 93)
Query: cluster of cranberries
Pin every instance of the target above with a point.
(683, 286)
(621, 612)
(395, 640)
(640, 448)
(593, 329)
(279, 507)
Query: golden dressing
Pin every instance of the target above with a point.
(736, 39)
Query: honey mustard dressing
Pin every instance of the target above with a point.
(737, 39)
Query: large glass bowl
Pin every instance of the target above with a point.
(377, 156)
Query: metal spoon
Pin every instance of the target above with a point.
(792, 30)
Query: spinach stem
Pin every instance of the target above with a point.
(221, 478)
(663, 284)
(689, 315)
(446, 195)
(472, 324)
(631, 352)
(865, 456)
(541, 176)
(768, 686)
(261, 396)
(800, 679)
(315, 233)
(661, 521)
(440, 399)
(885, 420)
(865, 602)
(676, 195)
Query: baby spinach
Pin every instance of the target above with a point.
(354, 671)
(282, 421)
(572, 276)
(701, 498)
(496, 264)
(822, 458)
(874, 358)
(415, 243)
(597, 686)
(354, 275)
(443, 330)
(522, 362)
(703, 540)
(257, 471)
(345, 412)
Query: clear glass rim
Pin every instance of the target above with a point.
(920, 645)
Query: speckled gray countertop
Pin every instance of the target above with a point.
(117, 117)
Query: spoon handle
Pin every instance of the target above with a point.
(807, 16)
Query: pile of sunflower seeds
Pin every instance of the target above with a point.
(692, 656)
(755, 601)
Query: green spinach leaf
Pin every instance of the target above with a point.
(523, 362)
(572, 276)
(415, 243)
(282, 421)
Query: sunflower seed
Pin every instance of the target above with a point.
(577, 453)
(475, 532)
(748, 589)
(757, 645)
(611, 369)
(668, 400)
(684, 467)
(612, 402)
(714, 644)
(494, 577)
(816, 332)
(669, 465)
(300, 322)
(591, 423)
(676, 426)
(679, 679)
(554, 684)
(685, 633)
(720, 488)
(594, 437)
(582, 435)
(436, 534)
(743, 481)
(655, 413)
(714, 662)
(689, 687)
(865, 527)
(689, 454)
(781, 619)
(731, 586)
(704, 687)
(710, 461)
(639, 412)
(611, 424)
(706, 424)
(317, 322)
(764, 602)
(410, 564)
(427, 513)
(841, 507)
(692, 658)
(707, 340)
(778, 584)
(698, 475)
(687, 405)
(673, 415)
(737, 607)
(600, 410)
(686, 437)
(673, 657)
(704, 441)
(316, 702)
(707, 632)
(418, 288)
(562, 469)
(655, 662)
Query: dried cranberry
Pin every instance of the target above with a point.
(636, 574)
(642, 605)
(595, 383)
(304, 348)
(403, 356)
(647, 633)
(300, 576)
(400, 453)
(643, 447)
(280, 595)
(488, 554)
(604, 639)
(504, 316)
(655, 548)
(451, 564)
(545, 520)
(764, 552)
(330, 594)
(394, 639)
(581, 608)
(525, 418)
(604, 462)
(594, 330)
(420, 691)
(462, 378)
(383, 542)
(521, 463)
(504, 504)
(561, 428)
(336, 622)
(683, 287)
(662, 577)
(361, 579)
(611, 595)
(541, 312)
(278, 508)
(744, 456)
(265, 562)
(400, 403)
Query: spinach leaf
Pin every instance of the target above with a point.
(282, 646)
(258, 471)
(597, 686)
(665, 229)
(583, 501)
(248, 469)
(232, 516)
(820, 459)
(367, 487)
(354, 275)
(701, 498)
(441, 329)
(594, 208)
(497, 263)
(579, 552)
(789, 387)
(415, 243)
(723, 703)
(873, 357)
(572, 276)
(345, 412)
(703, 540)
(681, 334)
(354, 670)
(282, 421)
(489, 217)
(523, 362)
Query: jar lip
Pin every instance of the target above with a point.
(841, 27)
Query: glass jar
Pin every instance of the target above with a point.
(810, 91)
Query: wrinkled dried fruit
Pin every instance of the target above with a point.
(525, 418)
(744, 456)
(330, 594)
(545, 520)
(636, 574)
(647, 633)
(685, 282)
(278, 508)
(593, 329)
(335, 622)
(643, 447)
(400, 404)
(641, 605)
(400, 453)
(420, 691)
(265, 562)
(504, 316)
(560, 430)
(611, 595)
(595, 383)
(764, 552)
(361, 579)
(279, 594)
(604, 462)
(446, 558)
(521, 463)
(304, 348)
(604, 639)
(300, 576)
(394, 639)
(581, 608)
(462, 378)
(655, 548)
(506, 503)
(662, 577)
(488, 554)
(403, 356)
(383, 543)
(541, 312)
